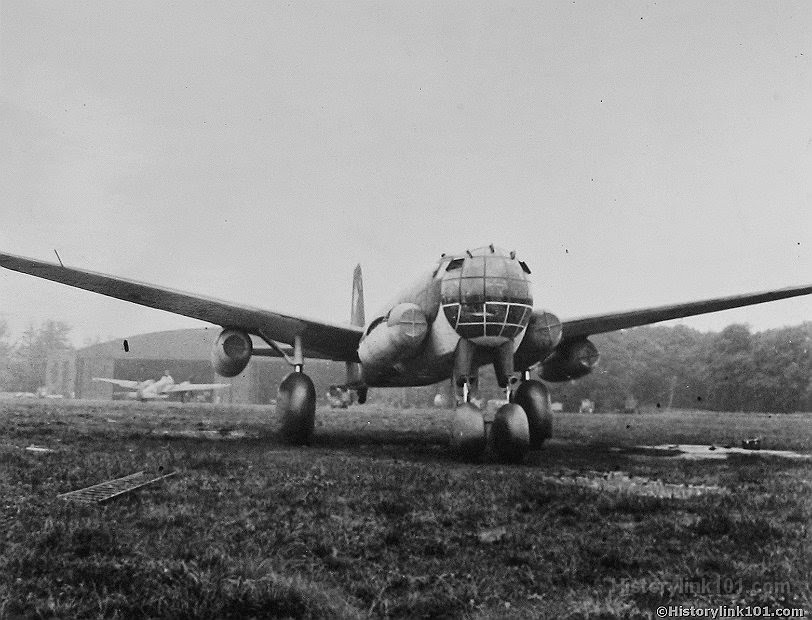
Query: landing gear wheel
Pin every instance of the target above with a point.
(510, 433)
(296, 406)
(362, 395)
(468, 431)
(533, 397)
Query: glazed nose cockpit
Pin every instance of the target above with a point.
(486, 296)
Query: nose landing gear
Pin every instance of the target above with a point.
(468, 425)
(468, 431)
(521, 425)
(510, 433)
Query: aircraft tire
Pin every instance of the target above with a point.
(468, 431)
(296, 407)
(510, 433)
(362, 395)
(534, 398)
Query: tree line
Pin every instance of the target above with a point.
(23, 363)
(731, 370)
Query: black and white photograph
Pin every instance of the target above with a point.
(409, 309)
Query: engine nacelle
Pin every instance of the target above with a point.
(571, 360)
(395, 337)
(231, 352)
(540, 339)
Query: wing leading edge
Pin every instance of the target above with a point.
(334, 341)
(600, 323)
(119, 382)
(321, 339)
(196, 387)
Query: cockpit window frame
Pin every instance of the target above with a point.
(441, 267)
(454, 264)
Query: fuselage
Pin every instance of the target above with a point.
(151, 389)
(482, 295)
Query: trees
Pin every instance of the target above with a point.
(5, 354)
(766, 371)
(732, 370)
(22, 366)
(784, 363)
(649, 363)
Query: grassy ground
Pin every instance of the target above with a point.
(378, 519)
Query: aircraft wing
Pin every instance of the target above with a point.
(194, 387)
(321, 339)
(120, 382)
(600, 323)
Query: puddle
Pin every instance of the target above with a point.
(694, 452)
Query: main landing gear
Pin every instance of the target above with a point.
(520, 425)
(296, 401)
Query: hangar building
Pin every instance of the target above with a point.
(184, 353)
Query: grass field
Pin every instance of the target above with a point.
(378, 519)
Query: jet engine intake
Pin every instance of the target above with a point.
(572, 359)
(231, 352)
(396, 337)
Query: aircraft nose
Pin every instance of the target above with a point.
(486, 297)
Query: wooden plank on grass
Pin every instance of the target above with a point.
(111, 489)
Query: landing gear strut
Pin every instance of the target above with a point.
(296, 401)
(468, 425)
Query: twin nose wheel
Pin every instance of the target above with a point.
(518, 426)
(510, 433)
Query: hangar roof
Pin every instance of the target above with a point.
(191, 344)
(174, 344)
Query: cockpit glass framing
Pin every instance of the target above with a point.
(487, 296)
(474, 267)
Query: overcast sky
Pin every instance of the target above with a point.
(634, 154)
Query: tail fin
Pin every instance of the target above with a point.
(354, 373)
(357, 306)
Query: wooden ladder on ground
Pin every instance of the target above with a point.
(105, 491)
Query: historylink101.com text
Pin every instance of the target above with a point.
(697, 586)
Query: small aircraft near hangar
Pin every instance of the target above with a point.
(160, 389)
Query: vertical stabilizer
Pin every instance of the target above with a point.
(357, 307)
(354, 372)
